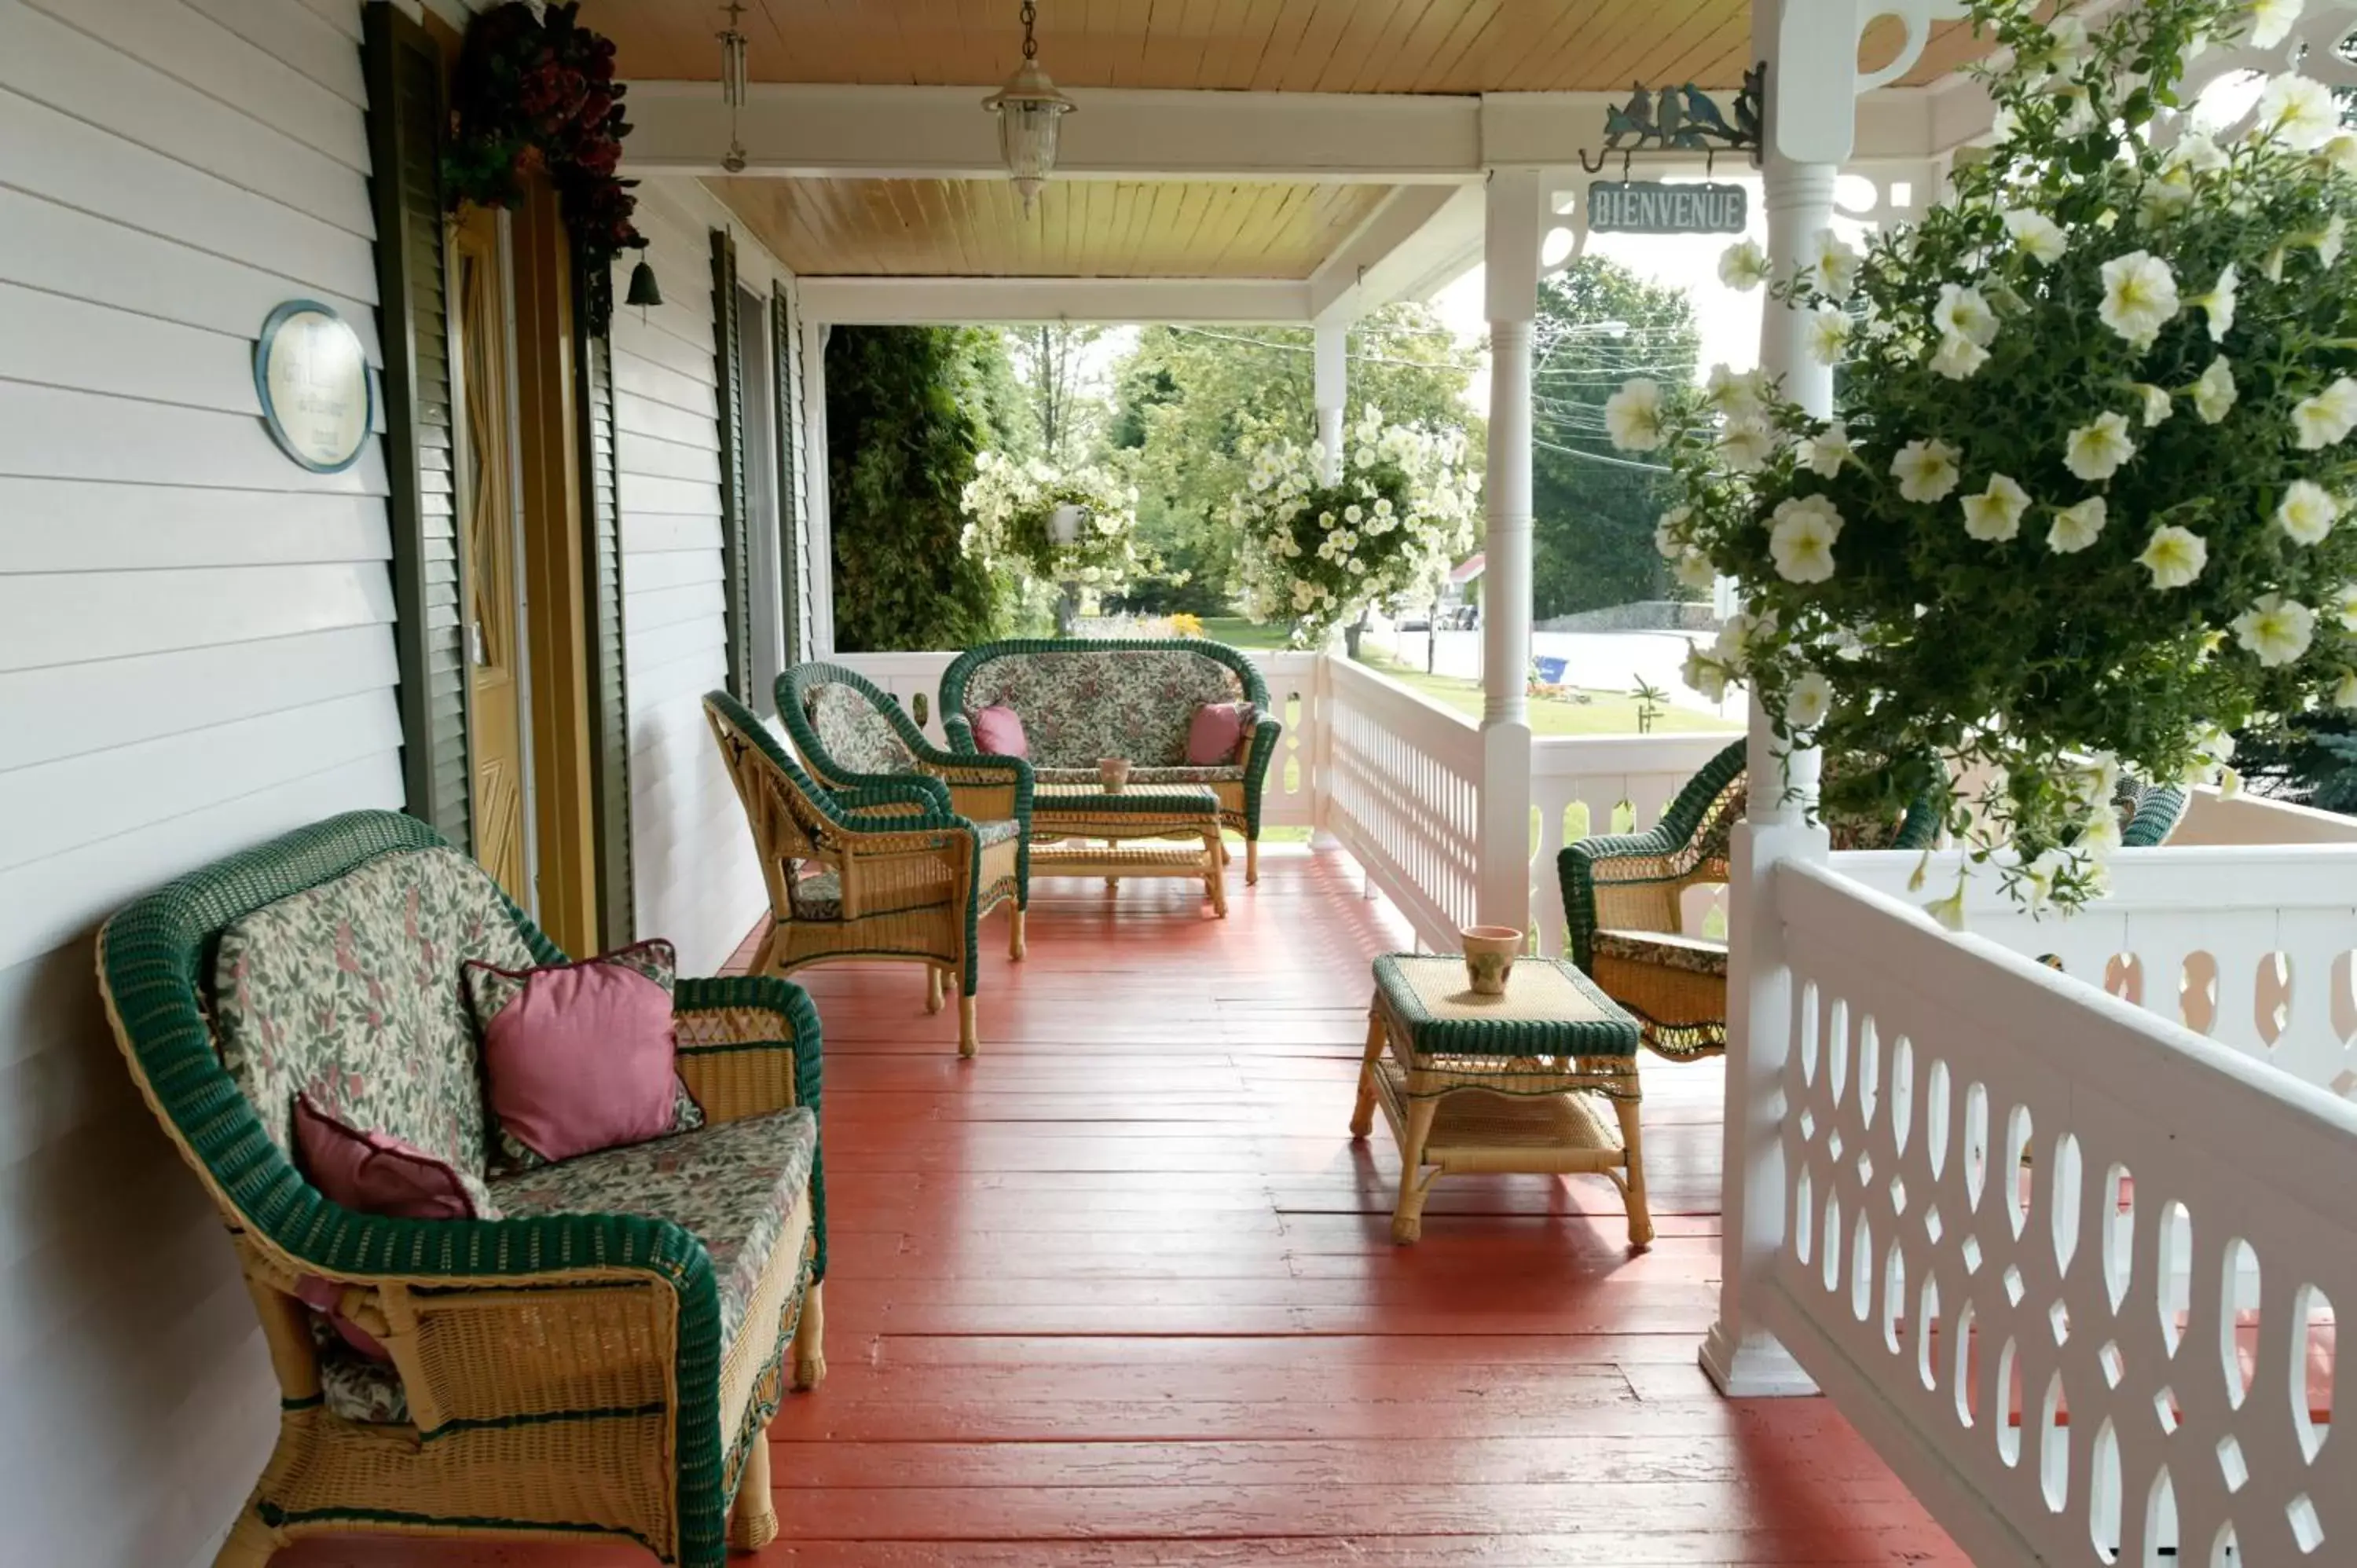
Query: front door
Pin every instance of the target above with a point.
(484, 471)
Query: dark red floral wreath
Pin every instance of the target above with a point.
(542, 90)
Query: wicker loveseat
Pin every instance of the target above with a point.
(1082, 700)
(602, 1360)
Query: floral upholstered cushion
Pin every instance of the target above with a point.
(1139, 776)
(991, 832)
(1663, 950)
(349, 993)
(354, 1384)
(733, 1187)
(815, 892)
(1078, 705)
(856, 737)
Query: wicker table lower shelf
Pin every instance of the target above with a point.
(1066, 817)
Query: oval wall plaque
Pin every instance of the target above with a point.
(313, 376)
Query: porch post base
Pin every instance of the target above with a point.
(1751, 1366)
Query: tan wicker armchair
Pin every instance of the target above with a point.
(1623, 896)
(885, 871)
(600, 1361)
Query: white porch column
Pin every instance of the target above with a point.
(1332, 392)
(819, 536)
(1510, 258)
(1740, 1357)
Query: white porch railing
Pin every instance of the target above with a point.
(1585, 785)
(2069, 1265)
(1403, 793)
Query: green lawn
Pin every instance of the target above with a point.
(1604, 713)
(1238, 632)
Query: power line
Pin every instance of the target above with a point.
(1600, 458)
(1308, 348)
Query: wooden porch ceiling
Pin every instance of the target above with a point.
(1120, 1291)
(1117, 229)
(1285, 45)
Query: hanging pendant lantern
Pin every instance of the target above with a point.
(732, 85)
(1028, 108)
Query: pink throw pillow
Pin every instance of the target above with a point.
(374, 1173)
(1218, 730)
(998, 731)
(581, 1057)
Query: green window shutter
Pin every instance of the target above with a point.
(609, 704)
(729, 362)
(785, 355)
(405, 121)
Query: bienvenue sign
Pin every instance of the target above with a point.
(1652, 206)
(313, 378)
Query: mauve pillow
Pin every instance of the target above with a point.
(580, 1057)
(1217, 731)
(998, 731)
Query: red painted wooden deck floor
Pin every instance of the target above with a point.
(1121, 1291)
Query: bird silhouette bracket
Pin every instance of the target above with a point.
(1679, 120)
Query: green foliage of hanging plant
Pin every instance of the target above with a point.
(540, 91)
(902, 436)
(2083, 509)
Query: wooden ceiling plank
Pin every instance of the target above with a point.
(1292, 24)
(1613, 53)
(1399, 62)
(1306, 67)
(1370, 23)
(1468, 37)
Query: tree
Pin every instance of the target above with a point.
(1593, 509)
(1051, 363)
(1193, 402)
(906, 410)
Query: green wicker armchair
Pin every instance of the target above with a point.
(1083, 699)
(853, 736)
(1622, 902)
(601, 1360)
(2148, 813)
(884, 871)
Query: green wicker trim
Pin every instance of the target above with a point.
(455, 1524)
(1051, 808)
(2156, 817)
(794, 683)
(1610, 1036)
(1264, 734)
(312, 1403)
(931, 795)
(539, 1418)
(768, 1387)
(152, 961)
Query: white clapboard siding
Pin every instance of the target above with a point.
(196, 654)
(692, 862)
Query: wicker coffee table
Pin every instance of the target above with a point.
(1500, 1083)
(1062, 813)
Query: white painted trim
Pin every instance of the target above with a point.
(920, 301)
(1418, 230)
(818, 518)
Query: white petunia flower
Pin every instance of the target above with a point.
(2326, 417)
(2274, 630)
(2195, 152)
(1734, 635)
(1705, 674)
(2218, 303)
(1694, 569)
(1830, 265)
(2040, 238)
(1825, 453)
(1736, 394)
(1995, 514)
(2174, 556)
(1926, 470)
(1354, 513)
(1745, 446)
(2157, 406)
(2308, 512)
(1963, 313)
(2345, 604)
(1743, 267)
(2096, 451)
(2139, 296)
(2298, 112)
(2340, 151)
(2213, 391)
(2271, 21)
(1826, 333)
(1633, 417)
(2344, 695)
(1802, 538)
(2075, 527)
(1957, 358)
(1809, 700)
(1670, 533)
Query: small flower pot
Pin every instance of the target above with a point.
(1112, 772)
(1490, 954)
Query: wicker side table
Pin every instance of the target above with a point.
(1500, 1083)
(1085, 811)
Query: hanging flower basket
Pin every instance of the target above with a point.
(2083, 508)
(1013, 511)
(539, 93)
